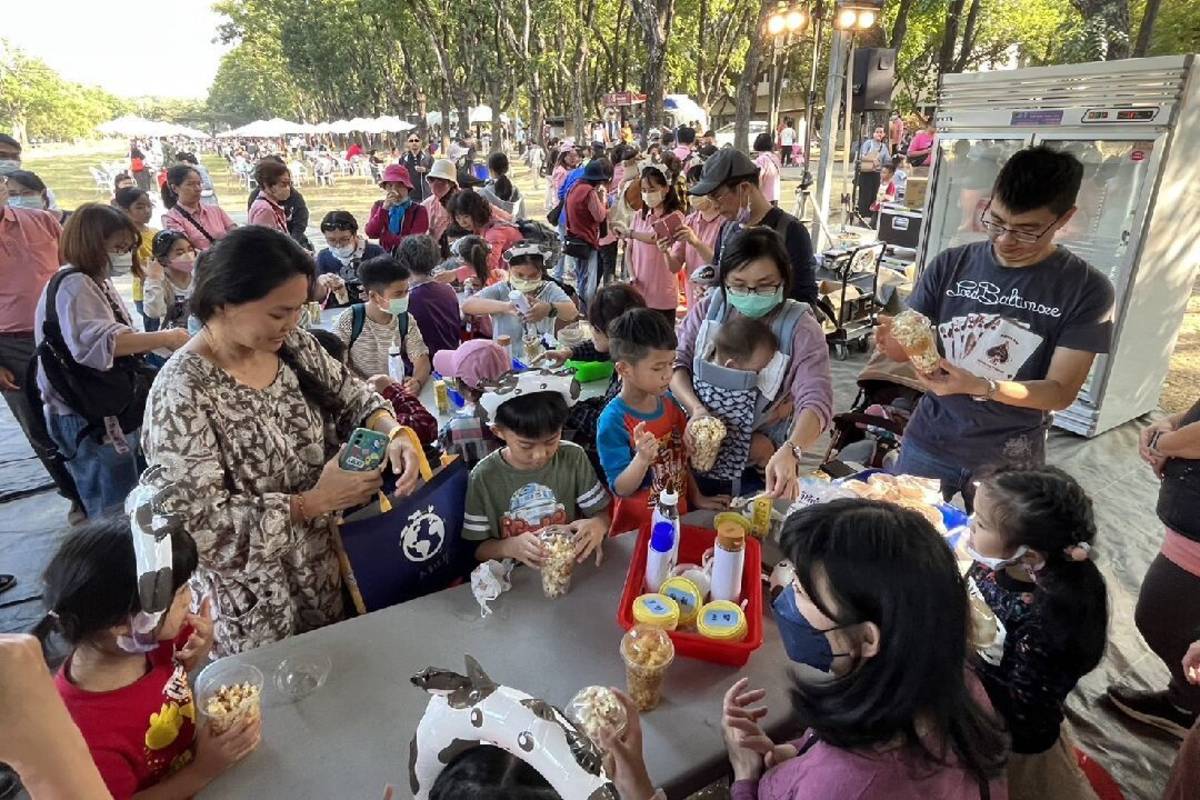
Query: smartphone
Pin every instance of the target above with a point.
(364, 451)
(666, 227)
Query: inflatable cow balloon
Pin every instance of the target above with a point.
(466, 711)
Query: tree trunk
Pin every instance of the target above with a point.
(655, 17)
(950, 37)
(747, 91)
(1147, 28)
(586, 13)
(968, 40)
(900, 25)
(1115, 16)
(444, 108)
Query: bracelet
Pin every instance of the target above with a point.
(300, 505)
(1152, 446)
(371, 420)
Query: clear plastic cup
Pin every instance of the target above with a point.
(595, 710)
(647, 653)
(558, 560)
(229, 692)
(300, 675)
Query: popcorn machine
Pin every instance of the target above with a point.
(1135, 125)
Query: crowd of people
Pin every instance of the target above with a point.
(701, 292)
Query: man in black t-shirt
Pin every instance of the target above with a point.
(1018, 321)
(730, 179)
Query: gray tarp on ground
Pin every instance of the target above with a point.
(1122, 487)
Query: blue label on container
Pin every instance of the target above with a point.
(684, 598)
(656, 606)
(720, 619)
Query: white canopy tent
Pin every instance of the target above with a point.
(131, 125)
(483, 114)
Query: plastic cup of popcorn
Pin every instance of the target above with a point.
(647, 653)
(229, 693)
(558, 560)
(596, 710)
(914, 332)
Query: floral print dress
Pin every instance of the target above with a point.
(236, 455)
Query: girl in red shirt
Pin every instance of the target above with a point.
(128, 693)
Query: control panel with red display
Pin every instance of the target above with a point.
(1105, 115)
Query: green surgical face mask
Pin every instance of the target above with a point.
(398, 306)
(755, 305)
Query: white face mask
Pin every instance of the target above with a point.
(994, 564)
(8, 165)
(344, 253)
(120, 262)
(653, 199)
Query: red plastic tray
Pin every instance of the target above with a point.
(692, 544)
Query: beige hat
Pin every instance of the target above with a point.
(443, 168)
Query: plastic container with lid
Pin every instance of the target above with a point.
(647, 652)
(729, 559)
(688, 596)
(722, 621)
(656, 611)
(596, 710)
(666, 509)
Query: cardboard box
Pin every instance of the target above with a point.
(915, 191)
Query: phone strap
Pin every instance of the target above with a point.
(195, 223)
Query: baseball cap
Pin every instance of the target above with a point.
(473, 362)
(724, 165)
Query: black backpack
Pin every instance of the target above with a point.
(93, 394)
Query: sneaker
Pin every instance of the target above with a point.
(7, 582)
(1152, 708)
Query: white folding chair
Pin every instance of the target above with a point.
(102, 181)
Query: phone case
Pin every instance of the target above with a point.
(364, 451)
(665, 228)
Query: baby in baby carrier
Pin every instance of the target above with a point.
(735, 385)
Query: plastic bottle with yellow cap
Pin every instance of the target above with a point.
(656, 611)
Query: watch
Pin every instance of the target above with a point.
(990, 394)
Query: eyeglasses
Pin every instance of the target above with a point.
(414, 141)
(995, 230)
(746, 291)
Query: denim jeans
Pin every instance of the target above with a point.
(918, 461)
(149, 324)
(587, 276)
(102, 476)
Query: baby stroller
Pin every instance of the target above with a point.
(871, 432)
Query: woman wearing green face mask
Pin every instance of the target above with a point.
(795, 390)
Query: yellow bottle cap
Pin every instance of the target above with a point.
(687, 595)
(722, 621)
(656, 611)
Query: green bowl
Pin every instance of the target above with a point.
(588, 371)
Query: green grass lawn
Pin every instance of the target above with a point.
(66, 172)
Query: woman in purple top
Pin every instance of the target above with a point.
(876, 600)
(432, 304)
(755, 280)
(94, 330)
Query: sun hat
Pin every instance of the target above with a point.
(396, 173)
(473, 362)
(443, 168)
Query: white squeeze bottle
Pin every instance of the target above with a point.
(658, 555)
(729, 559)
(519, 300)
(667, 510)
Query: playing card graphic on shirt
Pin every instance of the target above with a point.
(988, 345)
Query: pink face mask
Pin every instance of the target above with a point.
(183, 264)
